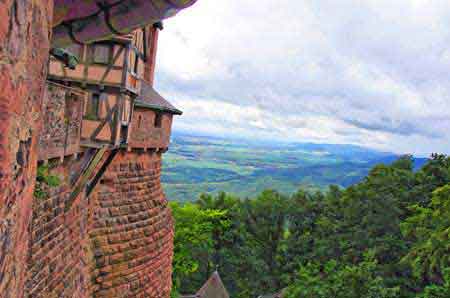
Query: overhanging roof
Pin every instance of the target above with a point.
(93, 20)
(150, 99)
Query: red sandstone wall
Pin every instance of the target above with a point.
(45, 249)
(132, 230)
(58, 254)
(116, 243)
(143, 132)
(24, 47)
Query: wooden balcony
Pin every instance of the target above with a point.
(63, 112)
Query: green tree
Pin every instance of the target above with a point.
(266, 220)
(305, 215)
(228, 249)
(333, 280)
(193, 239)
(430, 229)
(397, 213)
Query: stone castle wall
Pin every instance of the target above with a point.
(132, 230)
(116, 243)
(145, 134)
(24, 47)
(58, 254)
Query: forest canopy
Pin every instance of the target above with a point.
(386, 236)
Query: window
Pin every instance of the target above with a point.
(158, 119)
(136, 63)
(102, 54)
(124, 134)
(92, 111)
(139, 121)
(77, 50)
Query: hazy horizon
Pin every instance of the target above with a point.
(255, 140)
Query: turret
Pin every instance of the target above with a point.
(151, 122)
(111, 73)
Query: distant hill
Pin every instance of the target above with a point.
(196, 164)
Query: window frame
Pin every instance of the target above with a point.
(157, 121)
(135, 56)
(93, 56)
(93, 110)
(139, 124)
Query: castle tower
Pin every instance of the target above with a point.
(45, 240)
(133, 226)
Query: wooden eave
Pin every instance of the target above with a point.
(145, 105)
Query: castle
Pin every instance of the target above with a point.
(82, 210)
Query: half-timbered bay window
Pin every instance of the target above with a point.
(111, 72)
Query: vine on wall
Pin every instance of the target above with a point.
(44, 180)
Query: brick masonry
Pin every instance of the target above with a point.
(144, 133)
(58, 253)
(116, 243)
(132, 230)
(24, 46)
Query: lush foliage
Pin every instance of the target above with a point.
(44, 180)
(193, 233)
(386, 236)
(341, 281)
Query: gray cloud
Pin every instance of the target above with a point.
(404, 129)
(372, 73)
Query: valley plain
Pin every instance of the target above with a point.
(196, 164)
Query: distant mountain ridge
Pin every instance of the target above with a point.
(197, 164)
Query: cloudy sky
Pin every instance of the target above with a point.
(369, 72)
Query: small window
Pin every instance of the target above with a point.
(76, 50)
(139, 121)
(158, 119)
(102, 54)
(136, 63)
(92, 111)
(126, 107)
(124, 134)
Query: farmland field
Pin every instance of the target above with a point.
(196, 165)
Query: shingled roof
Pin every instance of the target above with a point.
(213, 288)
(151, 99)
